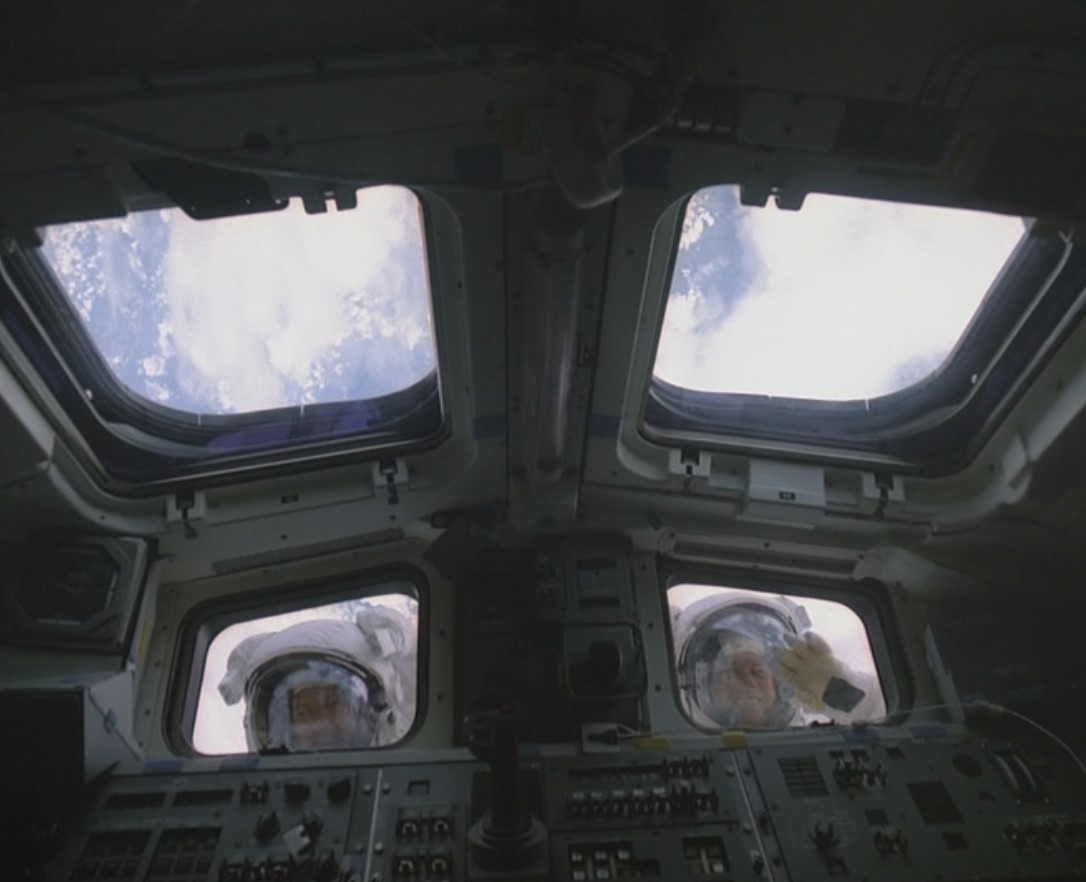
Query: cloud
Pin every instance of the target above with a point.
(697, 218)
(261, 308)
(153, 366)
(853, 299)
(249, 313)
(74, 253)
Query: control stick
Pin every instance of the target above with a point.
(507, 836)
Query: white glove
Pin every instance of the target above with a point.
(809, 665)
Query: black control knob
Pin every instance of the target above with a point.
(339, 789)
(296, 791)
(267, 825)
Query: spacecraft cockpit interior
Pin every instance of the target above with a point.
(492, 442)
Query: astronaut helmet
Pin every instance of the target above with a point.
(727, 647)
(326, 684)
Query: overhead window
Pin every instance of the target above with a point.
(333, 677)
(240, 335)
(843, 299)
(754, 660)
(846, 324)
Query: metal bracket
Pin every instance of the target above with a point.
(187, 506)
(690, 462)
(884, 488)
(390, 473)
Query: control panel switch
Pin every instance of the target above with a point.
(408, 829)
(254, 794)
(326, 867)
(267, 825)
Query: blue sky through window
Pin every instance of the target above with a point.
(842, 300)
(255, 312)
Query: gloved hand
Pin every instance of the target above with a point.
(809, 665)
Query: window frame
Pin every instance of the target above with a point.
(132, 442)
(869, 600)
(206, 620)
(932, 427)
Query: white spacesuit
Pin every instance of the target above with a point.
(750, 661)
(326, 684)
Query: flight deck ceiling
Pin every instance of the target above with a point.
(553, 149)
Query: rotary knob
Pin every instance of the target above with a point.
(296, 791)
(267, 825)
(339, 789)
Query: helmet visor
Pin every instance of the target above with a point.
(732, 673)
(312, 704)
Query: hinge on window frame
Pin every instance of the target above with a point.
(187, 506)
(690, 463)
(889, 490)
(390, 473)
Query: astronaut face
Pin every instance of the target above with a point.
(744, 686)
(321, 717)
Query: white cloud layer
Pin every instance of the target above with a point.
(258, 306)
(855, 299)
(255, 312)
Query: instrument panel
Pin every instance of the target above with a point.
(862, 804)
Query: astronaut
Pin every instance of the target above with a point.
(748, 661)
(326, 684)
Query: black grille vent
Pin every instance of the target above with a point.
(802, 776)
